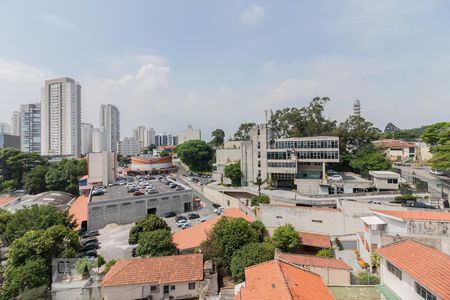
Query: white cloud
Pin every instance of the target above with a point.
(253, 14)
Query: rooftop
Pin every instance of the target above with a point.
(388, 174)
(392, 143)
(161, 270)
(192, 237)
(79, 210)
(415, 215)
(279, 280)
(426, 265)
(311, 260)
(4, 200)
(372, 220)
(314, 239)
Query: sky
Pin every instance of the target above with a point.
(216, 64)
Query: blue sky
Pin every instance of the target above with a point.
(215, 64)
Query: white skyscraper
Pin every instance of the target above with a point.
(149, 138)
(30, 128)
(139, 135)
(15, 123)
(97, 139)
(86, 138)
(110, 122)
(61, 117)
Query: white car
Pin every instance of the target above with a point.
(437, 172)
(181, 222)
(336, 177)
(185, 225)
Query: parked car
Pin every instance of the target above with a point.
(132, 190)
(170, 214)
(192, 215)
(376, 202)
(179, 188)
(97, 193)
(178, 218)
(138, 193)
(420, 204)
(89, 247)
(437, 172)
(181, 222)
(89, 239)
(336, 177)
(91, 234)
(185, 225)
(88, 243)
(88, 254)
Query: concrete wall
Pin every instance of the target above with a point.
(332, 276)
(431, 228)
(102, 167)
(121, 292)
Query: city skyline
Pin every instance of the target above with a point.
(254, 56)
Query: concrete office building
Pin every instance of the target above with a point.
(102, 167)
(30, 128)
(110, 122)
(61, 118)
(86, 138)
(9, 141)
(120, 207)
(97, 139)
(284, 161)
(188, 134)
(15, 123)
(129, 146)
(5, 128)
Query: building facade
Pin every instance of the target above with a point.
(188, 134)
(30, 128)
(86, 138)
(97, 139)
(102, 167)
(15, 123)
(5, 128)
(129, 146)
(61, 118)
(110, 122)
(9, 141)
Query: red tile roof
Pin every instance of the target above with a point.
(416, 215)
(391, 143)
(314, 239)
(6, 200)
(315, 261)
(192, 237)
(161, 270)
(79, 210)
(428, 266)
(279, 280)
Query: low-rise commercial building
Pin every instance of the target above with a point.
(415, 271)
(120, 207)
(148, 164)
(385, 180)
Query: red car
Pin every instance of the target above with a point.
(138, 193)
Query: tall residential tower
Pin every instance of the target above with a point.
(30, 128)
(110, 122)
(61, 117)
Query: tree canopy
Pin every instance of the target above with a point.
(218, 137)
(327, 252)
(257, 200)
(249, 255)
(355, 132)
(34, 181)
(369, 158)
(243, 132)
(228, 236)
(156, 243)
(438, 136)
(196, 154)
(285, 238)
(64, 175)
(146, 224)
(233, 171)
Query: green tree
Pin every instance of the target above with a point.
(285, 238)
(226, 237)
(355, 132)
(34, 273)
(34, 181)
(365, 278)
(34, 218)
(260, 229)
(5, 217)
(243, 132)
(164, 153)
(327, 252)
(218, 137)
(375, 259)
(109, 265)
(196, 154)
(304, 121)
(249, 255)
(438, 136)
(156, 243)
(146, 224)
(233, 171)
(368, 158)
(64, 175)
(263, 199)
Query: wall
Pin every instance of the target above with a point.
(429, 228)
(332, 276)
(135, 292)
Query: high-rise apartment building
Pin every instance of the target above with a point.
(30, 127)
(5, 128)
(61, 117)
(15, 123)
(86, 138)
(110, 122)
(129, 146)
(165, 139)
(139, 135)
(97, 139)
(188, 135)
(149, 138)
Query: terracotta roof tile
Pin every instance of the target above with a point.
(161, 270)
(79, 210)
(193, 236)
(279, 280)
(6, 200)
(391, 143)
(314, 239)
(417, 215)
(311, 260)
(428, 266)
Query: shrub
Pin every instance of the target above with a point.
(263, 199)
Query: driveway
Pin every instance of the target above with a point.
(349, 257)
(113, 240)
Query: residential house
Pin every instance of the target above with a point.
(397, 150)
(277, 279)
(333, 271)
(313, 242)
(156, 278)
(415, 271)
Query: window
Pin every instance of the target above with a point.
(316, 221)
(192, 285)
(259, 145)
(153, 288)
(394, 270)
(172, 287)
(424, 293)
(166, 289)
(392, 180)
